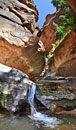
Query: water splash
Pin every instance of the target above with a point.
(39, 118)
(45, 121)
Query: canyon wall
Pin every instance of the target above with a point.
(64, 60)
(19, 46)
(18, 39)
(57, 90)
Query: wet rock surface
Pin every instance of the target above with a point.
(57, 94)
(66, 127)
(14, 88)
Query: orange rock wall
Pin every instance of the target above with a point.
(65, 57)
(48, 33)
(64, 61)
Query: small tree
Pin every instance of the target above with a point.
(59, 3)
(56, 3)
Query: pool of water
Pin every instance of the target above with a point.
(37, 123)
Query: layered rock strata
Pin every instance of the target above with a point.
(65, 57)
(57, 91)
(18, 40)
(57, 94)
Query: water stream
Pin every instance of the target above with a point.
(37, 121)
(39, 118)
(31, 98)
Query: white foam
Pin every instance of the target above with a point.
(44, 120)
(4, 68)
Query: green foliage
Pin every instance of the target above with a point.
(62, 18)
(59, 3)
(71, 103)
(67, 22)
(55, 26)
(55, 45)
(3, 98)
(3, 103)
(59, 32)
(63, 2)
(70, 18)
(1, 89)
(56, 3)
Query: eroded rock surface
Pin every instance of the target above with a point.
(14, 88)
(57, 91)
(18, 40)
(57, 94)
(65, 57)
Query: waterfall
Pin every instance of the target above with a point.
(31, 98)
(41, 119)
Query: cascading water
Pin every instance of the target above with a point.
(31, 98)
(39, 118)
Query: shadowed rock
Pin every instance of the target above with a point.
(14, 88)
(65, 57)
(57, 94)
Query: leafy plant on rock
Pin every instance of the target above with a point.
(67, 23)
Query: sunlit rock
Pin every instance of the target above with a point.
(18, 40)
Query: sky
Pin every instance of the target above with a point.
(44, 7)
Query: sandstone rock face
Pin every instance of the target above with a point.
(48, 33)
(72, 4)
(64, 60)
(47, 36)
(57, 91)
(65, 57)
(18, 42)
